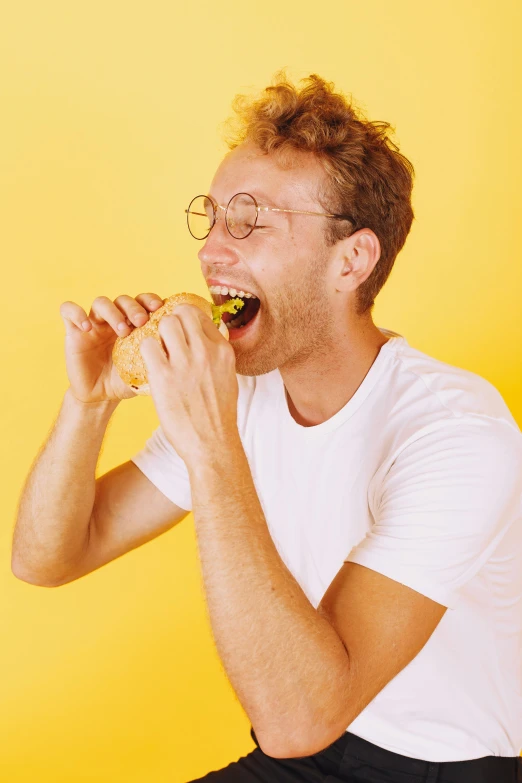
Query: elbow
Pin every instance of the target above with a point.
(304, 737)
(281, 749)
(299, 744)
(25, 574)
(276, 746)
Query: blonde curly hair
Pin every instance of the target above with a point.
(367, 176)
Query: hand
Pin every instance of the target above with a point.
(88, 353)
(194, 386)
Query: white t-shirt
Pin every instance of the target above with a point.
(418, 477)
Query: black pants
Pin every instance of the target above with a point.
(351, 759)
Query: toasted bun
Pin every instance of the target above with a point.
(126, 351)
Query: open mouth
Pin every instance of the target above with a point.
(247, 313)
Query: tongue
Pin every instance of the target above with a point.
(230, 317)
(227, 317)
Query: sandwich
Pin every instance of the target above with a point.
(126, 355)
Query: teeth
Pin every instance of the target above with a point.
(225, 291)
(235, 322)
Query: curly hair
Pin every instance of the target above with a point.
(367, 176)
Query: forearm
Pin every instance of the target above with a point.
(285, 661)
(56, 503)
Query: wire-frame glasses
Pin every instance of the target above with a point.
(241, 215)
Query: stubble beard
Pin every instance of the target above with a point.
(297, 325)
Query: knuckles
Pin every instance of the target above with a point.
(166, 324)
(201, 350)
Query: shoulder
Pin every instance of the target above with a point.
(438, 391)
(467, 463)
(443, 428)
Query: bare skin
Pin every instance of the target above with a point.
(56, 537)
(88, 352)
(302, 694)
(307, 326)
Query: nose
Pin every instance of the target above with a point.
(218, 247)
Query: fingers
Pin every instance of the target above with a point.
(122, 314)
(74, 317)
(173, 339)
(187, 314)
(137, 310)
(154, 355)
(185, 334)
(187, 331)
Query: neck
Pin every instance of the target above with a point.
(317, 389)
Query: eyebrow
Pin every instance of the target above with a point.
(265, 201)
(262, 199)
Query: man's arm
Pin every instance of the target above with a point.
(52, 525)
(128, 512)
(302, 675)
(70, 524)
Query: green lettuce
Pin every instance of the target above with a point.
(230, 306)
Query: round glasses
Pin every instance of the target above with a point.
(240, 215)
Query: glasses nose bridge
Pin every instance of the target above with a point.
(224, 210)
(217, 213)
(217, 207)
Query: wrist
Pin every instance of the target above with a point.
(220, 456)
(102, 408)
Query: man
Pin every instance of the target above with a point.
(358, 512)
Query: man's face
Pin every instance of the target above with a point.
(283, 261)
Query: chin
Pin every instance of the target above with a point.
(258, 361)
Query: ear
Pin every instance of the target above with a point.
(356, 258)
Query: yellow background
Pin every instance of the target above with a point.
(110, 124)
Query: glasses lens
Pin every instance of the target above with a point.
(200, 217)
(241, 215)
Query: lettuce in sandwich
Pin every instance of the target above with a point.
(230, 306)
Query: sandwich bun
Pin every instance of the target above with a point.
(126, 355)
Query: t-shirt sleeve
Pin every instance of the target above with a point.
(444, 505)
(162, 465)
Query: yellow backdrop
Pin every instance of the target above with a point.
(110, 123)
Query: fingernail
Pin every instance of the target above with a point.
(155, 303)
(86, 325)
(122, 327)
